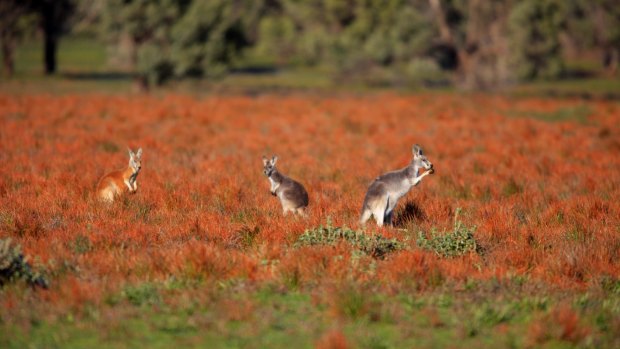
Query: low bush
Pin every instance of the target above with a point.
(453, 243)
(14, 266)
(374, 245)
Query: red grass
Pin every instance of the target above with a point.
(541, 194)
(562, 324)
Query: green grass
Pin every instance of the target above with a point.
(75, 54)
(572, 88)
(488, 314)
(578, 113)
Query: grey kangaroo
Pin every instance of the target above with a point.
(384, 192)
(292, 194)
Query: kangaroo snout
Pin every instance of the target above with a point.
(431, 168)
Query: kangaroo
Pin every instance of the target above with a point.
(292, 194)
(384, 192)
(115, 183)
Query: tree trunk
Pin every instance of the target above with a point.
(51, 30)
(8, 61)
(51, 47)
(140, 82)
(611, 56)
(442, 24)
(480, 45)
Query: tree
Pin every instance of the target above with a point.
(54, 16)
(211, 34)
(535, 27)
(607, 20)
(168, 38)
(16, 21)
(476, 31)
(146, 27)
(356, 38)
(596, 24)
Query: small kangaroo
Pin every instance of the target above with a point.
(292, 194)
(384, 192)
(115, 183)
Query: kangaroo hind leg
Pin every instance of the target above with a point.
(366, 213)
(379, 209)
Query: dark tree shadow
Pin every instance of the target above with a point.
(411, 213)
(98, 76)
(257, 70)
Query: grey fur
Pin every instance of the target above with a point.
(293, 196)
(385, 191)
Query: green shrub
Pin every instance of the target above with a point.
(374, 245)
(423, 72)
(14, 266)
(453, 243)
(142, 294)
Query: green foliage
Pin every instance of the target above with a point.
(278, 39)
(423, 71)
(535, 34)
(392, 42)
(453, 243)
(210, 35)
(373, 245)
(14, 266)
(167, 38)
(610, 284)
(142, 29)
(17, 21)
(351, 36)
(142, 294)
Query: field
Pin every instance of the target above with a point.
(513, 242)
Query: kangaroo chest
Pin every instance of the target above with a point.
(398, 191)
(274, 186)
(130, 182)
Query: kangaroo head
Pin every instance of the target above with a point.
(135, 160)
(269, 165)
(419, 159)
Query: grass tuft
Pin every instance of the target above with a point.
(374, 245)
(454, 243)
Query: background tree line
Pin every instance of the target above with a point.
(472, 43)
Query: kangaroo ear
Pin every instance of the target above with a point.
(265, 160)
(417, 151)
(139, 153)
(131, 154)
(274, 159)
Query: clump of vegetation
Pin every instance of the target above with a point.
(453, 243)
(14, 266)
(374, 245)
(244, 238)
(142, 294)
